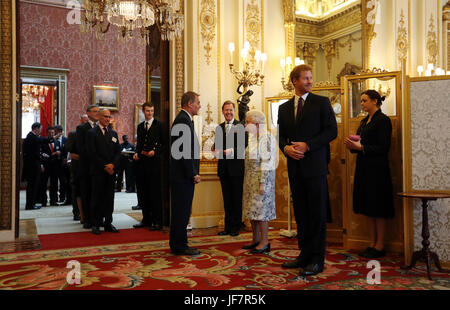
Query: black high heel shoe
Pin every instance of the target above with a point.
(265, 249)
(250, 246)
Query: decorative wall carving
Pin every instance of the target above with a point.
(310, 52)
(253, 24)
(402, 39)
(289, 11)
(208, 26)
(432, 44)
(6, 119)
(179, 66)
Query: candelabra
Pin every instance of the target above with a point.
(286, 66)
(432, 71)
(253, 67)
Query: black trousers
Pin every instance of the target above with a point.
(310, 197)
(182, 194)
(32, 177)
(50, 172)
(85, 189)
(102, 199)
(232, 201)
(149, 188)
(130, 177)
(75, 187)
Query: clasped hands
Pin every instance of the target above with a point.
(109, 168)
(147, 154)
(197, 179)
(297, 150)
(353, 145)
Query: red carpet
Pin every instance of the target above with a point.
(86, 239)
(222, 265)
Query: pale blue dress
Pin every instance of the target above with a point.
(260, 167)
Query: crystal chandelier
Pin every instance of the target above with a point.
(33, 96)
(129, 15)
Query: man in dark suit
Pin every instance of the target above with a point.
(104, 155)
(32, 164)
(84, 166)
(230, 168)
(184, 173)
(150, 144)
(306, 126)
(50, 153)
(65, 195)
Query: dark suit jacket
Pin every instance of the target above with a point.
(150, 140)
(317, 127)
(102, 150)
(32, 152)
(82, 148)
(184, 169)
(51, 160)
(233, 166)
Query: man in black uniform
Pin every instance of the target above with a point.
(50, 165)
(150, 144)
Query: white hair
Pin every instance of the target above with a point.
(257, 117)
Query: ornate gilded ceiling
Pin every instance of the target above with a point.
(320, 9)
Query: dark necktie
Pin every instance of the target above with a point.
(105, 131)
(146, 126)
(299, 109)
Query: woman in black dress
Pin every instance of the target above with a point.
(372, 192)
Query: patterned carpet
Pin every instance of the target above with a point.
(222, 265)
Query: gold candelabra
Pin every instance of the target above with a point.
(252, 72)
(287, 66)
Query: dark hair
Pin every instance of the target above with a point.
(147, 104)
(36, 125)
(50, 128)
(89, 108)
(58, 128)
(297, 72)
(374, 95)
(188, 97)
(227, 103)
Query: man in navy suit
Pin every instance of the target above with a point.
(184, 173)
(230, 168)
(50, 153)
(83, 164)
(65, 195)
(306, 126)
(104, 155)
(149, 146)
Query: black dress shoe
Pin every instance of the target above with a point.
(250, 246)
(33, 208)
(296, 263)
(187, 251)
(311, 270)
(155, 227)
(265, 249)
(96, 230)
(111, 228)
(136, 208)
(374, 253)
(365, 252)
(53, 203)
(87, 225)
(224, 233)
(234, 234)
(140, 225)
(76, 217)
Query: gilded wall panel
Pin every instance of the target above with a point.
(6, 123)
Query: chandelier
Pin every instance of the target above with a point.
(33, 96)
(129, 15)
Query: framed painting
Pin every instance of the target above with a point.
(106, 97)
(138, 116)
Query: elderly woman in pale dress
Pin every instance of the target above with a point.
(258, 202)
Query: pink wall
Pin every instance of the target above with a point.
(47, 40)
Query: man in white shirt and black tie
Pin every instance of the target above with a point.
(150, 144)
(229, 145)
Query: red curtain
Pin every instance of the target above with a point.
(47, 111)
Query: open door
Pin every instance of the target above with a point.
(356, 234)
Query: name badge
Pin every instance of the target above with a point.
(114, 139)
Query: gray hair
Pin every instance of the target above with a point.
(257, 117)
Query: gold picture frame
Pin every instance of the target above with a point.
(138, 116)
(106, 97)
